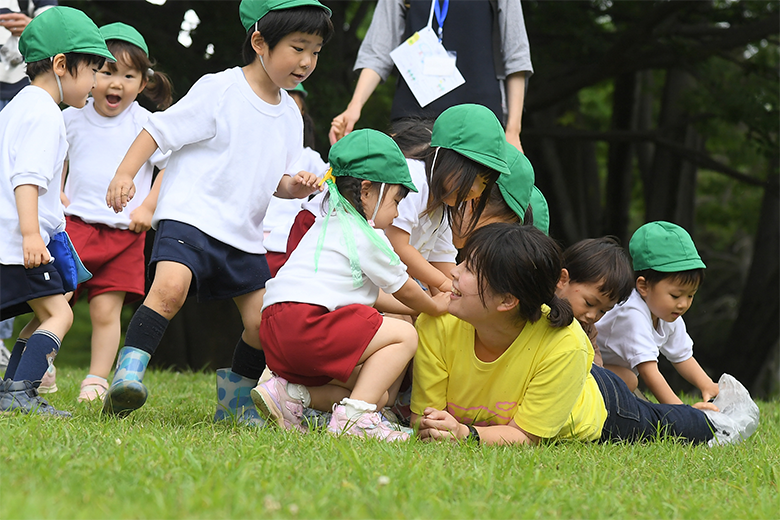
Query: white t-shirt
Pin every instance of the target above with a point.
(627, 337)
(431, 235)
(97, 146)
(331, 286)
(32, 151)
(281, 213)
(230, 150)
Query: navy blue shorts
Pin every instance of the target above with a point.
(19, 285)
(221, 272)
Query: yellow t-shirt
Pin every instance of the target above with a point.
(542, 381)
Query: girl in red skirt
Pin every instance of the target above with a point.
(322, 333)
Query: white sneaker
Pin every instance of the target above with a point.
(738, 415)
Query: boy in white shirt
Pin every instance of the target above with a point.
(668, 274)
(63, 49)
(232, 137)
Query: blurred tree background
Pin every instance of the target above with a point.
(637, 111)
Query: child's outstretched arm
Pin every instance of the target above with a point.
(35, 252)
(412, 295)
(656, 383)
(297, 186)
(695, 375)
(417, 266)
(121, 190)
(141, 217)
(388, 303)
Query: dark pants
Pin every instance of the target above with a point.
(632, 419)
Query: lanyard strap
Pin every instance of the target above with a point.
(441, 14)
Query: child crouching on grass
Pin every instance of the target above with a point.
(509, 364)
(320, 329)
(63, 49)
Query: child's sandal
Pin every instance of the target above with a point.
(93, 388)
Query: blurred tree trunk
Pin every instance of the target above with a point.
(757, 327)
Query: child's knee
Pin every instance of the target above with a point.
(170, 294)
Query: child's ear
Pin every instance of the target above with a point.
(258, 42)
(365, 187)
(59, 64)
(508, 302)
(641, 286)
(563, 281)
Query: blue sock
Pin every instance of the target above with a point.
(16, 355)
(42, 348)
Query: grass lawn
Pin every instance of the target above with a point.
(169, 460)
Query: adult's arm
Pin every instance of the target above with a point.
(438, 425)
(516, 53)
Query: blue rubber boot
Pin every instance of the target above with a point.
(127, 392)
(233, 400)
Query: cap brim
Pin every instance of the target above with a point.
(485, 159)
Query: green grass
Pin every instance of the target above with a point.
(168, 460)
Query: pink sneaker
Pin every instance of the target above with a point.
(275, 404)
(93, 388)
(368, 425)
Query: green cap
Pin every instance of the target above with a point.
(299, 88)
(371, 155)
(126, 33)
(473, 131)
(541, 211)
(664, 247)
(516, 187)
(252, 10)
(60, 30)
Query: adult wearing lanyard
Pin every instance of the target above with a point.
(491, 44)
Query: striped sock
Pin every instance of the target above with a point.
(42, 348)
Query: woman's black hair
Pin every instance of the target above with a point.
(413, 136)
(692, 277)
(520, 261)
(73, 60)
(277, 24)
(350, 187)
(159, 88)
(601, 260)
(460, 173)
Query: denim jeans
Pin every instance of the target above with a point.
(632, 419)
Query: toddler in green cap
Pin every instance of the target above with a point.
(668, 273)
(234, 140)
(110, 244)
(63, 49)
(467, 154)
(349, 356)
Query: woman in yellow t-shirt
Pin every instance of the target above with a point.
(509, 364)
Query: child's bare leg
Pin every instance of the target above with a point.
(169, 288)
(384, 359)
(105, 311)
(324, 397)
(250, 307)
(631, 380)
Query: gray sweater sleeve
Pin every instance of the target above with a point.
(384, 34)
(514, 39)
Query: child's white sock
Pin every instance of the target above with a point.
(354, 408)
(299, 392)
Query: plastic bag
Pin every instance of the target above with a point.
(9, 53)
(738, 416)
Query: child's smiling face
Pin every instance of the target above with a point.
(293, 59)
(667, 299)
(75, 89)
(116, 90)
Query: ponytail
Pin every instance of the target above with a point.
(159, 89)
(561, 314)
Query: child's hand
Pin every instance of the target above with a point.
(338, 129)
(140, 219)
(35, 252)
(303, 184)
(438, 425)
(706, 406)
(709, 391)
(120, 192)
(442, 301)
(446, 286)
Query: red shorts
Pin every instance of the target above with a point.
(115, 257)
(309, 345)
(304, 220)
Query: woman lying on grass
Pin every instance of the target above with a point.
(511, 365)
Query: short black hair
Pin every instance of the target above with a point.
(73, 60)
(595, 260)
(521, 261)
(413, 136)
(692, 277)
(349, 188)
(277, 24)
